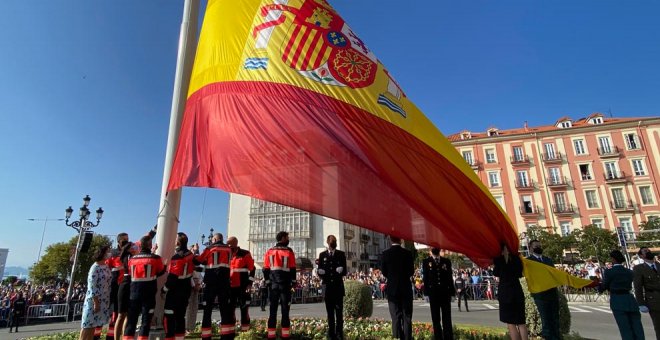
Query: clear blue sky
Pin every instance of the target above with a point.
(86, 87)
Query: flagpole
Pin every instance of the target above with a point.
(170, 202)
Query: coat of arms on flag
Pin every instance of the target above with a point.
(319, 44)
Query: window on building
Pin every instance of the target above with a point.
(467, 155)
(523, 182)
(598, 222)
(494, 179)
(619, 199)
(632, 142)
(626, 224)
(592, 199)
(466, 135)
(565, 124)
(579, 147)
(527, 205)
(555, 176)
(560, 201)
(646, 194)
(500, 201)
(638, 167)
(518, 154)
(549, 151)
(597, 120)
(490, 156)
(611, 170)
(605, 145)
(565, 228)
(585, 172)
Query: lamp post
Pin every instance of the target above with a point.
(208, 243)
(43, 233)
(81, 225)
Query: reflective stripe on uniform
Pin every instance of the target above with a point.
(211, 266)
(144, 279)
(285, 269)
(206, 331)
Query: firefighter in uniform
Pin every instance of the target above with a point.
(177, 289)
(216, 258)
(117, 269)
(120, 289)
(332, 269)
(242, 275)
(280, 272)
(144, 269)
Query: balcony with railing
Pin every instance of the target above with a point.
(520, 160)
(530, 211)
(525, 185)
(563, 209)
(615, 177)
(475, 165)
(609, 152)
(551, 158)
(622, 206)
(349, 234)
(558, 182)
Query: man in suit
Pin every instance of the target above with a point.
(647, 286)
(618, 280)
(547, 302)
(398, 267)
(439, 287)
(332, 269)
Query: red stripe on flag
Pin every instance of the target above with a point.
(313, 47)
(306, 150)
(289, 45)
(301, 46)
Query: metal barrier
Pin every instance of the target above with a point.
(47, 312)
(78, 310)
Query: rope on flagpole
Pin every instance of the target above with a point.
(201, 215)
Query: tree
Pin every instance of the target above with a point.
(553, 244)
(56, 263)
(410, 245)
(649, 235)
(595, 242)
(9, 280)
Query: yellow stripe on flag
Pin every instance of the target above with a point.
(541, 277)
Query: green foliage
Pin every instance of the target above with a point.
(534, 319)
(458, 261)
(649, 239)
(410, 245)
(595, 242)
(9, 279)
(553, 243)
(57, 260)
(357, 302)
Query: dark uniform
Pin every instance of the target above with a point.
(280, 272)
(215, 259)
(461, 290)
(17, 313)
(263, 294)
(177, 287)
(145, 268)
(333, 265)
(242, 275)
(647, 291)
(439, 287)
(398, 265)
(547, 303)
(618, 280)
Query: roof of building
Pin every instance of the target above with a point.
(582, 122)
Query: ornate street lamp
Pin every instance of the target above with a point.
(81, 226)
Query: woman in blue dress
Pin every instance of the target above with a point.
(96, 310)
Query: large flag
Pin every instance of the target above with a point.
(541, 277)
(287, 104)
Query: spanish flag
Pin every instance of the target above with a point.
(287, 104)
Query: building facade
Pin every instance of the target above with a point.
(4, 252)
(256, 223)
(594, 170)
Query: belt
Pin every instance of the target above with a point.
(620, 292)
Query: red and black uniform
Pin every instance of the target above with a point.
(117, 268)
(177, 287)
(242, 276)
(144, 269)
(215, 259)
(280, 272)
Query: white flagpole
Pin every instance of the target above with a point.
(168, 212)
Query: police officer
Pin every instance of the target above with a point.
(280, 272)
(177, 289)
(332, 269)
(216, 258)
(439, 287)
(263, 294)
(17, 311)
(144, 269)
(242, 276)
(461, 285)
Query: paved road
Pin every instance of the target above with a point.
(591, 320)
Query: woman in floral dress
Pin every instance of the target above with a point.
(96, 310)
